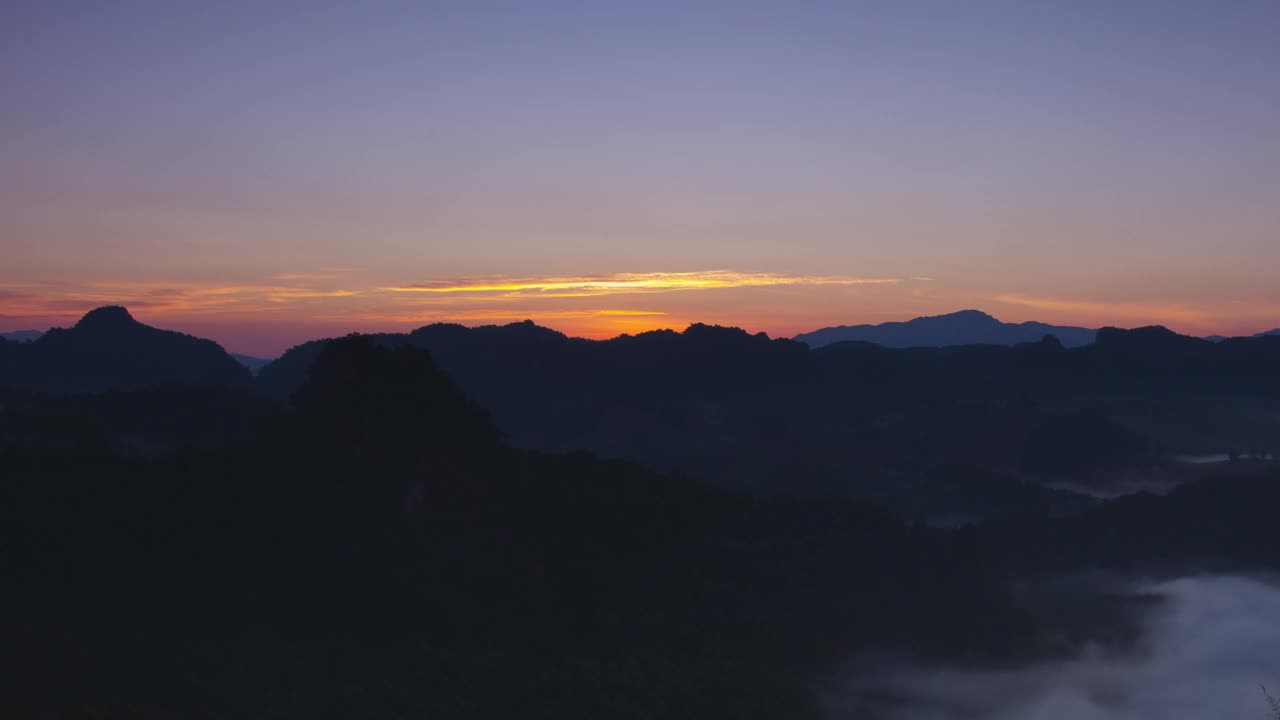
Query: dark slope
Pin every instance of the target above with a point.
(153, 421)
(382, 553)
(1224, 522)
(379, 551)
(967, 327)
(109, 350)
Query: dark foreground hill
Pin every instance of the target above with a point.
(151, 422)
(967, 327)
(379, 551)
(109, 350)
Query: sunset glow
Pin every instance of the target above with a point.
(268, 317)
(623, 283)
(614, 168)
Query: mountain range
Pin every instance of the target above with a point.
(965, 429)
(966, 327)
(377, 544)
(253, 363)
(376, 549)
(109, 350)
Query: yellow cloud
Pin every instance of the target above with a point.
(626, 283)
(160, 298)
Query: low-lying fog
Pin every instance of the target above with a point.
(1206, 651)
(1162, 479)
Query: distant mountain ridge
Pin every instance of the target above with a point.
(255, 364)
(1220, 338)
(252, 362)
(922, 425)
(109, 350)
(966, 327)
(774, 415)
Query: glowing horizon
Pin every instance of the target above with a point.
(621, 283)
(266, 318)
(307, 169)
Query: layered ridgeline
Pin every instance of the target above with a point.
(967, 327)
(109, 350)
(940, 433)
(927, 430)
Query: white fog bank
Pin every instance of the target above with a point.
(1204, 654)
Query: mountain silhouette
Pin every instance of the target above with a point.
(21, 335)
(927, 429)
(378, 544)
(381, 536)
(109, 350)
(966, 327)
(973, 423)
(1220, 338)
(255, 364)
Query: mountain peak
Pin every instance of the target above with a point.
(964, 327)
(109, 350)
(967, 315)
(107, 316)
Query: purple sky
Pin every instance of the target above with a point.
(262, 172)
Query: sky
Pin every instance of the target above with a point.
(263, 172)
